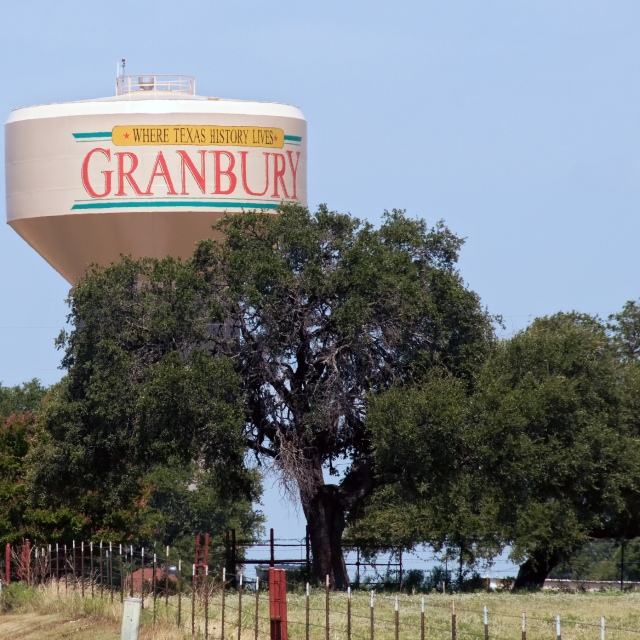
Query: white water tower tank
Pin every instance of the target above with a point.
(147, 171)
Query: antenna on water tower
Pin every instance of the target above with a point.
(123, 66)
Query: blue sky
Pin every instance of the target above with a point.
(515, 121)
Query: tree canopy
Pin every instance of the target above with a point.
(21, 398)
(268, 340)
(141, 391)
(319, 311)
(315, 340)
(542, 453)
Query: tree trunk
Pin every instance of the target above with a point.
(326, 519)
(325, 507)
(535, 570)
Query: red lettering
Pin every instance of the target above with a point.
(294, 171)
(198, 177)
(228, 172)
(164, 173)
(122, 174)
(243, 155)
(107, 175)
(278, 174)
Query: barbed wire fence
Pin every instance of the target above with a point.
(207, 602)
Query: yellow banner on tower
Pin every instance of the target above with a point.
(202, 136)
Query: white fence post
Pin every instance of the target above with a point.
(131, 619)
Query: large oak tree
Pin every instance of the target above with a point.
(317, 311)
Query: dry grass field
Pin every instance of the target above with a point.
(44, 614)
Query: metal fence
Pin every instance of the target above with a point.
(210, 603)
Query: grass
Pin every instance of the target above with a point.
(48, 613)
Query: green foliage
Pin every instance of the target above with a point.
(557, 445)
(593, 561)
(186, 500)
(540, 453)
(141, 391)
(21, 398)
(625, 331)
(422, 581)
(322, 309)
(602, 560)
(16, 433)
(307, 290)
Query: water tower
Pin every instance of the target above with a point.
(147, 171)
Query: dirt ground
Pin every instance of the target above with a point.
(35, 626)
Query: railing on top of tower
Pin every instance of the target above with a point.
(155, 84)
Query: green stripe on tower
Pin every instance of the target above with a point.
(194, 203)
(294, 138)
(104, 134)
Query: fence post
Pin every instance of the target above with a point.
(132, 565)
(101, 574)
(272, 561)
(179, 592)
(57, 570)
(50, 564)
(422, 620)
(486, 624)
(443, 590)
(348, 613)
(108, 564)
(602, 628)
(558, 630)
(326, 589)
(274, 598)
(7, 556)
(206, 602)
(82, 567)
(224, 589)
(277, 604)
(307, 544)
(193, 602)
(397, 619)
(121, 576)
(142, 580)
(130, 619)
(28, 562)
(239, 605)
(166, 581)
(453, 620)
(233, 558)
(307, 615)
(371, 615)
(283, 604)
(257, 603)
(524, 626)
(154, 589)
(91, 565)
(66, 584)
(111, 571)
